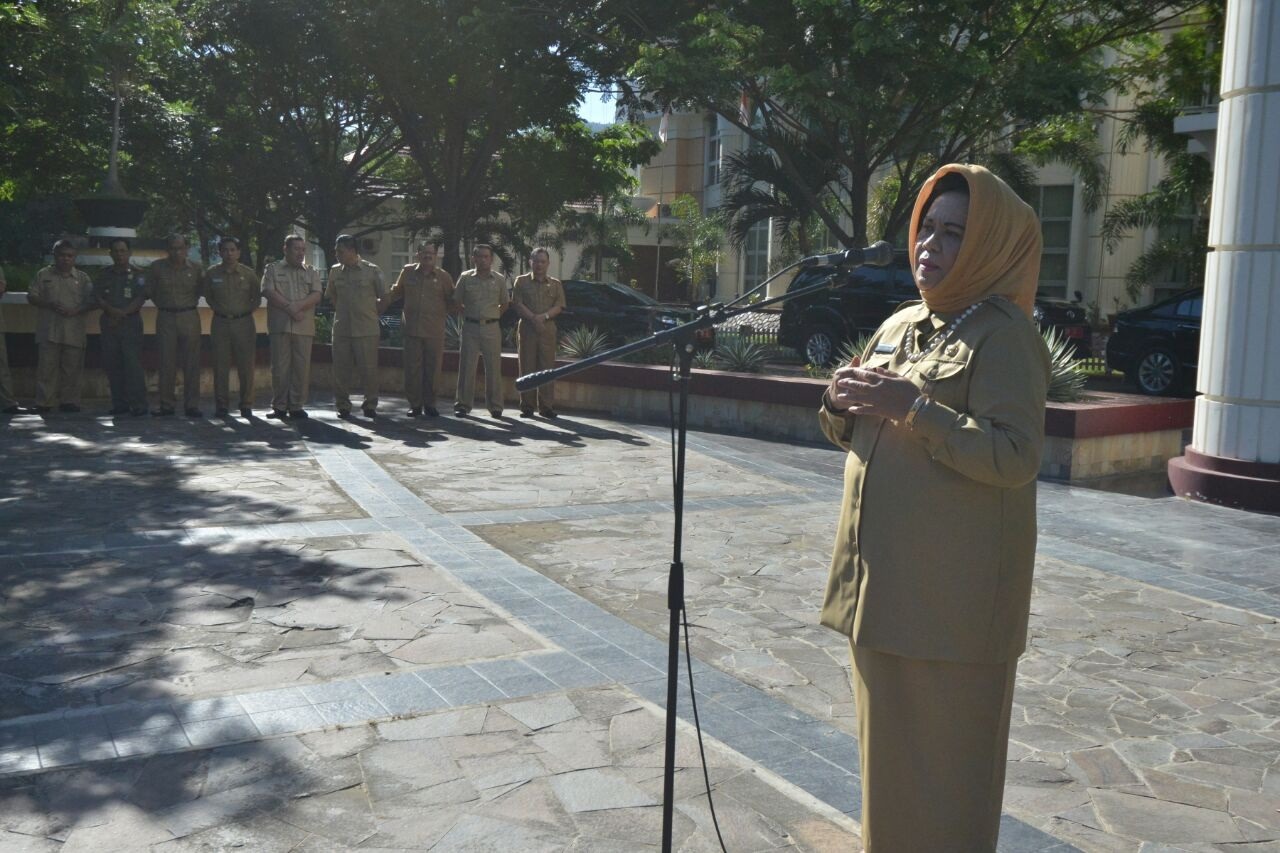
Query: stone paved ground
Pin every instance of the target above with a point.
(450, 635)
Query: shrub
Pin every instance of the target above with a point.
(1066, 378)
(452, 331)
(583, 342)
(849, 350)
(740, 354)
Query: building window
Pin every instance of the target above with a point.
(755, 256)
(1053, 206)
(401, 251)
(711, 130)
(1176, 276)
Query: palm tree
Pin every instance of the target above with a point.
(758, 189)
(602, 232)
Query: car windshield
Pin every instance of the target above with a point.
(629, 294)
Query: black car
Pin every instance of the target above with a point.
(860, 299)
(620, 312)
(1157, 347)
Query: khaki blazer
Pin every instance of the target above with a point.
(354, 292)
(427, 300)
(936, 542)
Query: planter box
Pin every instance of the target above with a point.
(1108, 434)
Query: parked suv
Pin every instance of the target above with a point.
(1157, 347)
(860, 299)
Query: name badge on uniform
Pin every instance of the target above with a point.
(884, 349)
(215, 280)
(128, 292)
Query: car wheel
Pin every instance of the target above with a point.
(819, 347)
(1157, 372)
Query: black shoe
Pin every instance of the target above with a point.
(139, 413)
(218, 413)
(495, 413)
(69, 408)
(299, 414)
(370, 413)
(246, 412)
(431, 412)
(42, 410)
(549, 413)
(277, 415)
(461, 410)
(526, 412)
(118, 410)
(193, 413)
(344, 414)
(415, 412)
(163, 412)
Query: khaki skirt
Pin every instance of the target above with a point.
(933, 737)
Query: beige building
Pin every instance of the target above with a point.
(1075, 264)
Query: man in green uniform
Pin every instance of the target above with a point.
(173, 283)
(119, 291)
(8, 402)
(234, 292)
(426, 290)
(292, 289)
(64, 295)
(538, 298)
(355, 287)
(482, 295)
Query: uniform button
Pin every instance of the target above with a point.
(953, 349)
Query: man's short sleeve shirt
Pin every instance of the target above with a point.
(294, 284)
(232, 292)
(72, 291)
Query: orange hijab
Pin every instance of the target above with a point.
(1000, 253)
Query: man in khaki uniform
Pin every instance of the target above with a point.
(427, 291)
(538, 298)
(482, 296)
(234, 292)
(292, 289)
(173, 283)
(64, 295)
(119, 291)
(355, 289)
(8, 402)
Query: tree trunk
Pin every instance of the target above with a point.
(111, 186)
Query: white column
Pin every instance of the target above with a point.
(1238, 413)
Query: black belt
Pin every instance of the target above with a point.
(178, 310)
(486, 322)
(233, 316)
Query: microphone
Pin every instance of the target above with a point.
(878, 254)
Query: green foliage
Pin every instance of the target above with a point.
(1066, 377)
(740, 354)
(602, 233)
(324, 329)
(883, 86)
(583, 342)
(850, 352)
(706, 360)
(1166, 76)
(758, 189)
(541, 170)
(453, 331)
(699, 237)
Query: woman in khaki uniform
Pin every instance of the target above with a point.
(931, 575)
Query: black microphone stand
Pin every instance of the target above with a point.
(682, 337)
